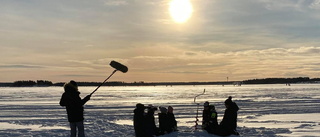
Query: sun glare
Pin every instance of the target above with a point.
(180, 10)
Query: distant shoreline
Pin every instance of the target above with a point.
(45, 83)
(60, 84)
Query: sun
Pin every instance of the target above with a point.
(180, 10)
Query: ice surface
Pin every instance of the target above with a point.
(7, 126)
(265, 110)
(299, 124)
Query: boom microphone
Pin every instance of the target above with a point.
(118, 66)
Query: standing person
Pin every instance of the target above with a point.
(229, 121)
(74, 106)
(139, 120)
(171, 120)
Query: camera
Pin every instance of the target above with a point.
(152, 108)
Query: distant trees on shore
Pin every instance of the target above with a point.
(281, 80)
(43, 83)
(31, 83)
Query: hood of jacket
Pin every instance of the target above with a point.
(70, 88)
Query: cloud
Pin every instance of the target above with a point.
(315, 5)
(226, 37)
(306, 51)
(273, 62)
(152, 57)
(82, 76)
(252, 23)
(115, 2)
(301, 51)
(200, 64)
(19, 66)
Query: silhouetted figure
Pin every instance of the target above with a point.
(229, 121)
(172, 120)
(167, 120)
(209, 118)
(139, 120)
(212, 126)
(205, 115)
(74, 106)
(163, 121)
(151, 128)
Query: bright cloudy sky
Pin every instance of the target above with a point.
(60, 40)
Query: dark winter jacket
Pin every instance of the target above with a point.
(167, 122)
(164, 123)
(172, 121)
(229, 121)
(151, 128)
(139, 122)
(213, 119)
(73, 103)
(205, 117)
(212, 125)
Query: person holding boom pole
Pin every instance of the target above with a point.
(74, 104)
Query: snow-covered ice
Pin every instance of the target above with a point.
(265, 110)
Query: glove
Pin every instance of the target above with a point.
(87, 97)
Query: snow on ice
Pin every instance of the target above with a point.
(265, 110)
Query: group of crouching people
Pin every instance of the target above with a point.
(144, 122)
(228, 124)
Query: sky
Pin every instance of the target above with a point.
(60, 40)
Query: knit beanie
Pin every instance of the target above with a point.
(140, 106)
(163, 109)
(170, 109)
(228, 101)
(206, 104)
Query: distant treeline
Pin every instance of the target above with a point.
(281, 80)
(31, 83)
(42, 83)
(113, 83)
(141, 83)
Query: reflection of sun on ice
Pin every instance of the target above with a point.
(180, 10)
